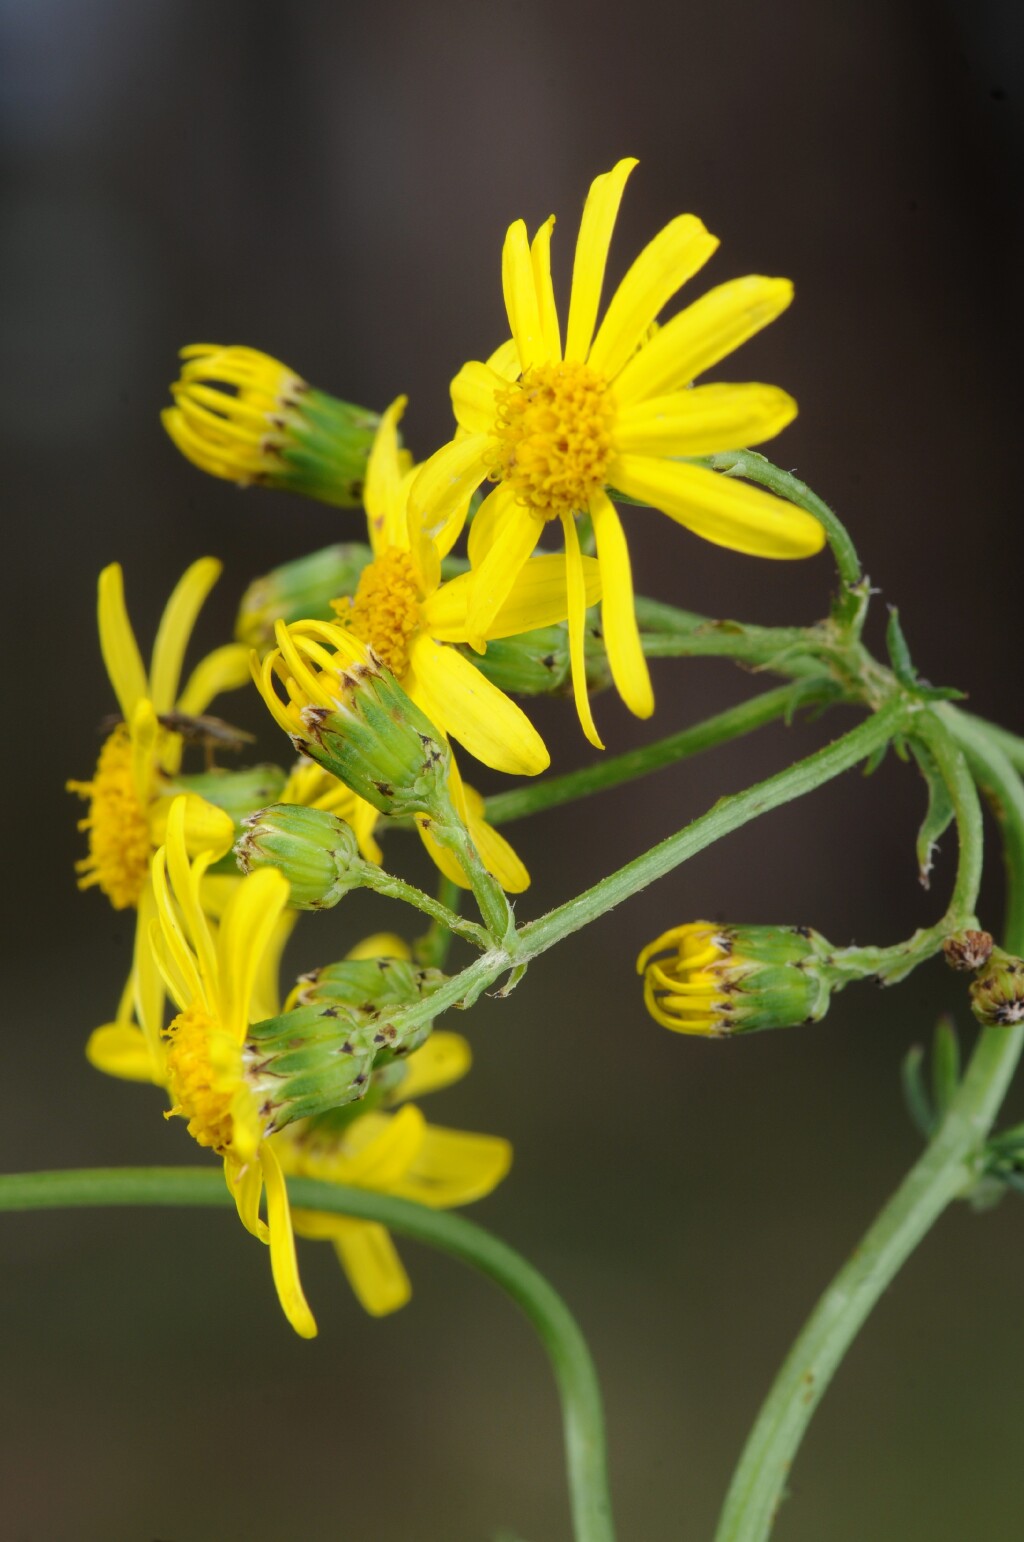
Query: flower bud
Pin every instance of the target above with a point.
(244, 416)
(347, 712)
(529, 664)
(721, 980)
(312, 1059)
(368, 983)
(967, 950)
(299, 590)
(317, 853)
(238, 793)
(997, 991)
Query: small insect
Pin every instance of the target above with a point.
(213, 733)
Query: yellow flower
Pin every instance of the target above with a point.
(312, 676)
(243, 416)
(212, 978)
(409, 617)
(560, 428)
(391, 1153)
(127, 793)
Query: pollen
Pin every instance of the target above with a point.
(553, 429)
(385, 610)
(119, 837)
(202, 1093)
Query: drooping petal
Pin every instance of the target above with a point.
(440, 492)
(283, 1262)
(702, 334)
(704, 420)
(117, 643)
(375, 1271)
(591, 259)
(539, 596)
(443, 1059)
(175, 629)
(464, 703)
(498, 856)
(473, 392)
(540, 258)
(379, 1148)
(618, 612)
(250, 918)
(185, 879)
(493, 579)
(455, 1167)
(121, 1049)
(520, 292)
(719, 508)
(146, 980)
(225, 669)
(577, 628)
(384, 471)
(677, 252)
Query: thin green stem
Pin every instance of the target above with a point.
(947, 1166)
(582, 1413)
(613, 770)
(443, 917)
(432, 949)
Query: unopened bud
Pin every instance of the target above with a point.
(720, 980)
(312, 1059)
(317, 853)
(997, 992)
(968, 950)
(298, 591)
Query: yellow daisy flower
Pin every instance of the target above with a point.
(392, 1153)
(211, 977)
(560, 428)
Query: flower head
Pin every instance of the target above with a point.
(560, 428)
(243, 416)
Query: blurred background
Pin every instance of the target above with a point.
(332, 184)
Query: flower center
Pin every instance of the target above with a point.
(119, 837)
(385, 610)
(554, 437)
(202, 1091)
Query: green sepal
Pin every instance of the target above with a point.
(370, 983)
(939, 814)
(899, 653)
(316, 851)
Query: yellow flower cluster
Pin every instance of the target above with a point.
(374, 660)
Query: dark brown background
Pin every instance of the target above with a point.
(332, 185)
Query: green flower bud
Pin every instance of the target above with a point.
(299, 590)
(244, 416)
(312, 1059)
(721, 980)
(371, 984)
(530, 664)
(997, 991)
(317, 853)
(238, 793)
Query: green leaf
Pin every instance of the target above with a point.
(945, 1064)
(899, 653)
(918, 1104)
(938, 815)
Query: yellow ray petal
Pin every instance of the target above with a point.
(283, 1262)
(440, 492)
(488, 521)
(380, 1147)
(464, 703)
(539, 596)
(618, 613)
(385, 517)
(704, 420)
(499, 858)
(120, 1049)
(225, 669)
(702, 334)
(250, 918)
(185, 880)
(577, 628)
(443, 1059)
(381, 945)
(540, 259)
(473, 392)
(520, 292)
(146, 980)
(591, 259)
(375, 1271)
(455, 1167)
(175, 629)
(174, 958)
(493, 579)
(117, 643)
(505, 360)
(675, 255)
(144, 732)
(719, 508)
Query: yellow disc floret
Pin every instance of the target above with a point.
(119, 837)
(553, 432)
(201, 1089)
(385, 611)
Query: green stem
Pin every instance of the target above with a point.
(755, 468)
(947, 1165)
(616, 769)
(727, 815)
(443, 917)
(490, 897)
(431, 950)
(582, 1413)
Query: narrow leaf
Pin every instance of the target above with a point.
(938, 815)
(945, 1064)
(916, 1097)
(899, 653)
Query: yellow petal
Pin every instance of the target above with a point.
(172, 954)
(186, 878)
(719, 508)
(577, 628)
(488, 521)
(144, 731)
(702, 334)
(381, 945)
(596, 226)
(117, 643)
(520, 291)
(505, 361)
(539, 596)
(283, 1262)
(225, 669)
(384, 470)
(540, 260)
(493, 579)
(497, 855)
(146, 980)
(375, 1271)
(675, 255)
(440, 492)
(249, 921)
(473, 392)
(121, 1049)
(704, 420)
(618, 613)
(455, 1167)
(464, 703)
(379, 1148)
(443, 1059)
(175, 629)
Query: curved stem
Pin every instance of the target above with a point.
(440, 914)
(941, 1173)
(582, 1413)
